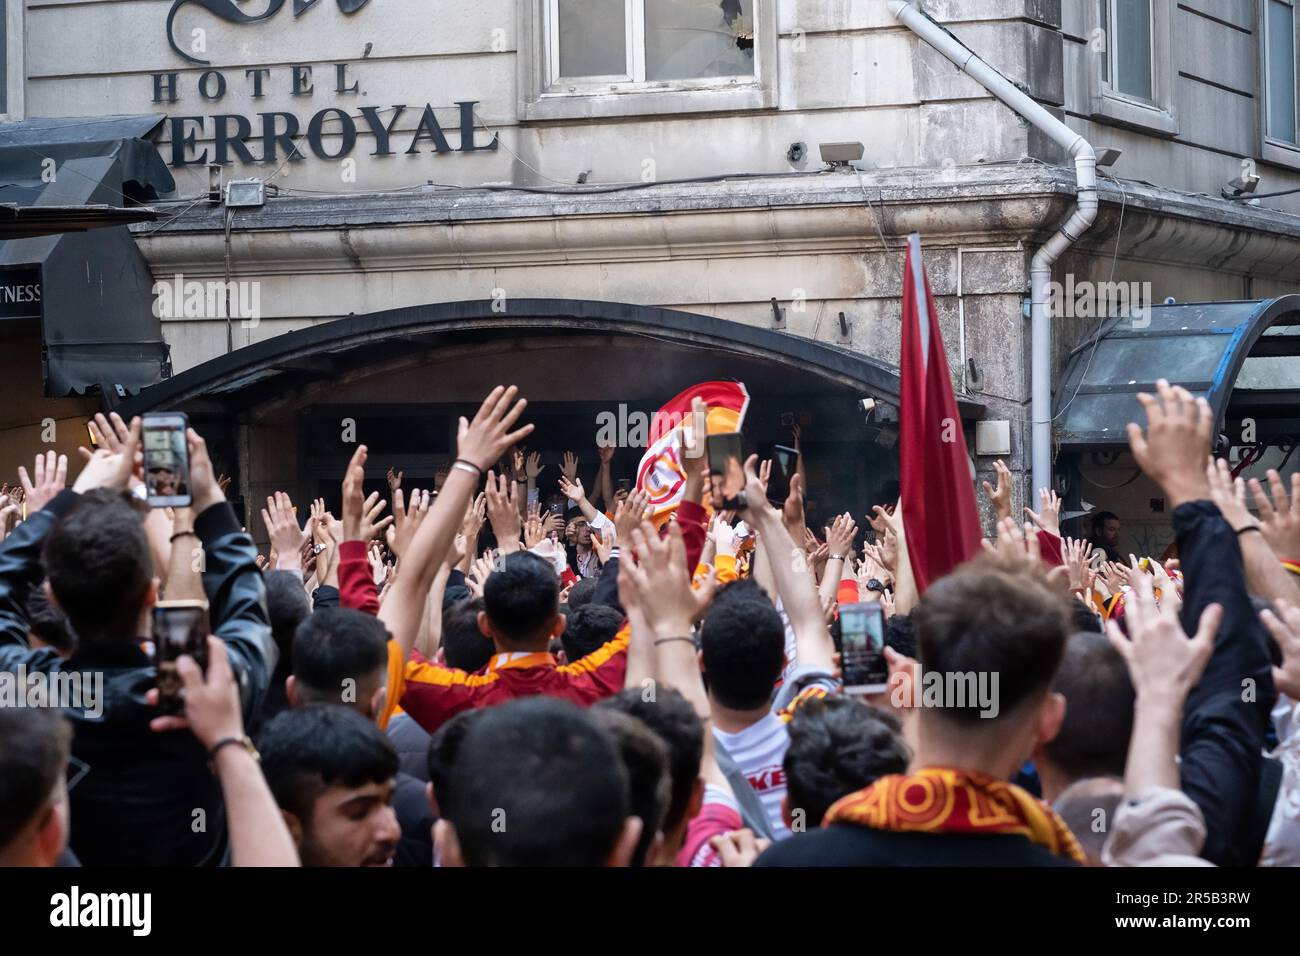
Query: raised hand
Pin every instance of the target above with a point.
(841, 534)
(282, 528)
(572, 489)
(407, 519)
(1279, 518)
(485, 439)
(1173, 451)
(569, 467)
(1048, 517)
(1229, 496)
(361, 515)
(1000, 497)
(49, 477)
(108, 433)
(604, 545)
(115, 469)
(1162, 661)
(503, 511)
(1078, 557)
(792, 513)
(394, 480)
(479, 571)
(723, 536)
(534, 466)
(534, 531)
(629, 515)
(1284, 625)
(659, 569)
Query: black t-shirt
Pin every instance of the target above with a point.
(849, 845)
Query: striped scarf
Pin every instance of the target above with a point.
(945, 800)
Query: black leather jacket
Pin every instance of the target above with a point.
(138, 797)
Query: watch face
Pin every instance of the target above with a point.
(875, 585)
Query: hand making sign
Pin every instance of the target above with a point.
(233, 135)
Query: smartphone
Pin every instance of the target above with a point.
(166, 460)
(784, 462)
(862, 648)
(726, 471)
(179, 627)
(625, 484)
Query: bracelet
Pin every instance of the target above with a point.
(182, 534)
(235, 741)
(836, 557)
(463, 465)
(1249, 527)
(669, 640)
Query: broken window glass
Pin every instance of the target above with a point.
(693, 39)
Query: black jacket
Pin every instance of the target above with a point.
(1227, 713)
(139, 797)
(849, 845)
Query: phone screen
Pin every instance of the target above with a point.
(166, 460)
(862, 651)
(726, 471)
(177, 630)
(784, 461)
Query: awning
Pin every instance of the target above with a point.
(1241, 356)
(95, 292)
(30, 222)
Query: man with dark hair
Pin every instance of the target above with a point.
(649, 783)
(674, 720)
(331, 772)
(340, 657)
(581, 593)
(463, 645)
(34, 747)
(288, 605)
(520, 616)
(139, 799)
(1094, 735)
(993, 617)
(537, 783)
(1105, 534)
(588, 629)
(837, 745)
(444, 749)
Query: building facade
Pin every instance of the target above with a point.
(607, 200)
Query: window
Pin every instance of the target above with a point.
(1280, 71)
(631, 57)
(1134, 79)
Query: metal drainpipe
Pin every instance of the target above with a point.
(1075, 225)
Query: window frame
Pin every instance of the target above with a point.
(1156, 115)
(544, 95)
(1272, 149)
(13, 76)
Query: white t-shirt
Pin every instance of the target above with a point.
(759, 751)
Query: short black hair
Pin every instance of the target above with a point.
(1084, 618)
(34, 747)
(1103, 516)
(990, 616)
(588, 629)
(334, 645)
(581, 593)
(671, 716)
(522, 597)
(545, 769)
(899, 635)
(444, 748)
(287, 604)
(1099, 700)
(50, 624)
(838, 745)
(305, 751)
(743, 645)
(100, 569)
(464, 646)
(649, 782)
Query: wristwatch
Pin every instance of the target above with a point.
(875, 585)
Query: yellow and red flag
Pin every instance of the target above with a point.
(662, 472)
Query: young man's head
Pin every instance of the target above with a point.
(108, 598)
(1105, 529)
(581, 593)
(838, 745)
(34, 747)
(990, 636)
(588, 629)
(463, 645)
(340, 656)
(331, 772)
(673, 719)
(742, 649)
(536, 782)
(1088, 808)
(1093, 739)
(521, 604)
(649, 782)
(287, 605)
(444, 749)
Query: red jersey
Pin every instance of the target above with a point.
(432, 693)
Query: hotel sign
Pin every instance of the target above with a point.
(276, 136)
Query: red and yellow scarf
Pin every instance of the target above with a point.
(944, 800)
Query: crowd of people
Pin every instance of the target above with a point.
(479, 675)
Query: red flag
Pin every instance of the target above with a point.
(940, 517)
